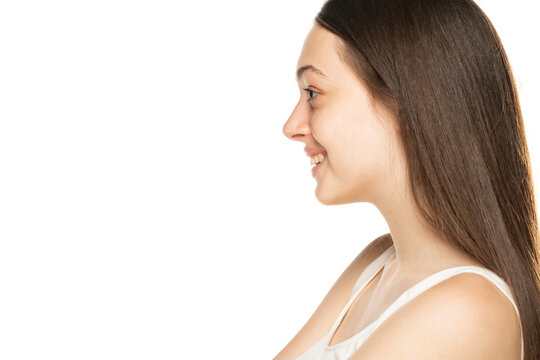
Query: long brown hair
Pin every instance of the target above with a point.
(440, 67)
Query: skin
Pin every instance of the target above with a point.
(366, 163)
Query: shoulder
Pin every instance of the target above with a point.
(464, 316)
(369, 253)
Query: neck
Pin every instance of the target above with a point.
(419, 249)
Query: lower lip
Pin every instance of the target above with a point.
(316, 168)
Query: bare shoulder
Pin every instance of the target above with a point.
(373, 250)
(332, 304)
(463, 317)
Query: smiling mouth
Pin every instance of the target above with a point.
(317, 158)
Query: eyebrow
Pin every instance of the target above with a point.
(305, 68)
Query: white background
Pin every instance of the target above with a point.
(150, 205)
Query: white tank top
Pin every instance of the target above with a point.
(343, 350)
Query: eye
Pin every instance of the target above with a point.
(309, 91)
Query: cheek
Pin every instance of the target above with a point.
(364, 145)
(322, 129)
(352, 135)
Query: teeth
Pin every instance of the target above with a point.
(317, 158)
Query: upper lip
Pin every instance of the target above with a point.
(311, 151)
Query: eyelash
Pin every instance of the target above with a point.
(308, 91)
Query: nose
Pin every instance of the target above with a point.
(297, 125)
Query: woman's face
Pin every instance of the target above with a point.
(340, 120)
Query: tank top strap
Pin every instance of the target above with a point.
(365, 277)
(440, 276)
(371, 270)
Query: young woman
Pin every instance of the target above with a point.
(411, 105)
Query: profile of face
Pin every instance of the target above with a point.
(335, 115)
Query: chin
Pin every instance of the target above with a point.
(326, 198)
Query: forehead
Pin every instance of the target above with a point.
(319, 50)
